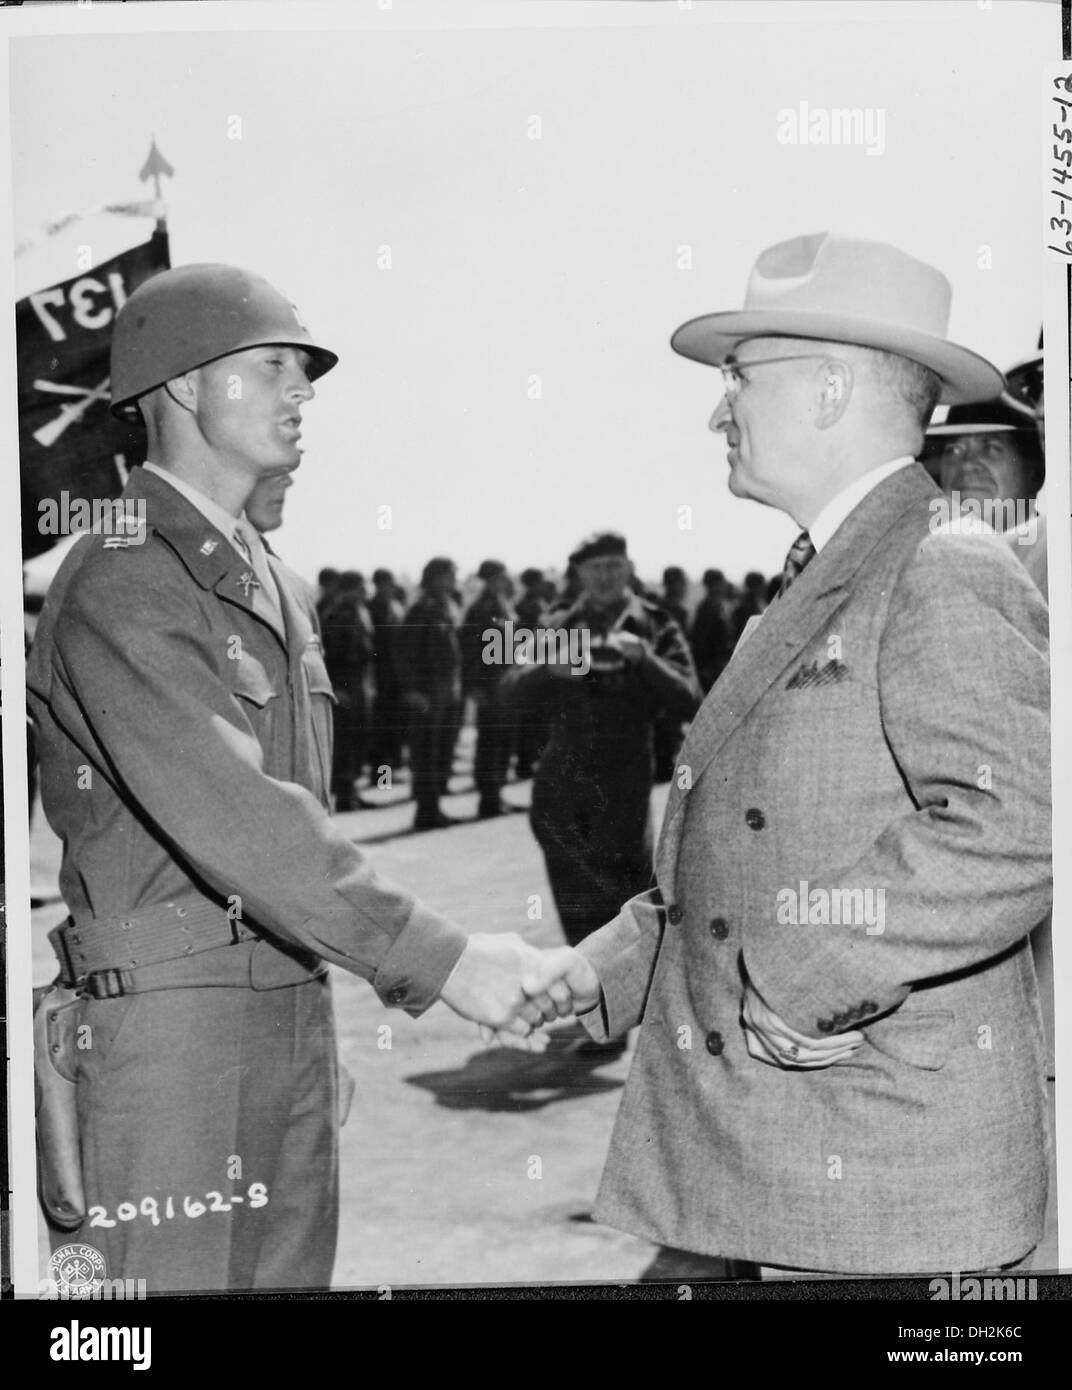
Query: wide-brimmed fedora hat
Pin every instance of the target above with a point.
(847, 290)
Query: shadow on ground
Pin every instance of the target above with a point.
(504, 1079)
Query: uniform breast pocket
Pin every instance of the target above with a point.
(321, 701)
(253, 684)
(257, 695)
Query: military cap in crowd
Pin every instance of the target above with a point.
(598, 544)
(439, 564)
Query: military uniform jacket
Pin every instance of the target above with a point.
(485, 613)
(884, 730)
(428, 649)
(185, 757)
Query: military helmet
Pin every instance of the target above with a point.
(182, 318)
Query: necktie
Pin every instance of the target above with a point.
(249, 545)
(800, 553)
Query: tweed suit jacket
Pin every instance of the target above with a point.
(861, 826)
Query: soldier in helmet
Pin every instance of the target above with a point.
(184, 720)
(591, 795)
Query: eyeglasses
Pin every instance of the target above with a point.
(731, 371)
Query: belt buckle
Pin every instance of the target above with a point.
(111, 983)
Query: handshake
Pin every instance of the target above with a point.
(512, 988)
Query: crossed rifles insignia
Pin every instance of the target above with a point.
(71, 410)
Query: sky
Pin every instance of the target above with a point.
(556, 188)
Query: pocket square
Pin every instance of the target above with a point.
(829, 673)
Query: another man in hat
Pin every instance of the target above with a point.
(841, 1055)
(489, 612)
(987, 458)
(591, 795)
(184, 720)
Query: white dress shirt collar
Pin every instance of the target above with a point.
(213, 513)
(839, 507)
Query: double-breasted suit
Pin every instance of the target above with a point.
(863, 831)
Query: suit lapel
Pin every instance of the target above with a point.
(785, 630)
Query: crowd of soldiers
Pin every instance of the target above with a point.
(406, 667)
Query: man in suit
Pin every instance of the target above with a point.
(184, 718)
(840, 1064)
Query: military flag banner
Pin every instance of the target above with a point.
(70, 447)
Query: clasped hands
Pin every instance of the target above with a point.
(511, 988)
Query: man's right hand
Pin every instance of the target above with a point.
(507, 985)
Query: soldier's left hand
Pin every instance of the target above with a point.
(771, 1040)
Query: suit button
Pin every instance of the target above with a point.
(674, 914)
(755, 819)
(824, 1025)
(714, 1044)
(397, 994)
(719, 928)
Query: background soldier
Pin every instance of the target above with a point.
(185, 757)
(710, 636)
(387, 613)
(327, 581)
(484, 683)
(591, 798)
(349, 644)
(429, 670)
(668, 730)
(752, 602)
(532, 609)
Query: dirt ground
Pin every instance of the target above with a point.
(463, 1165)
